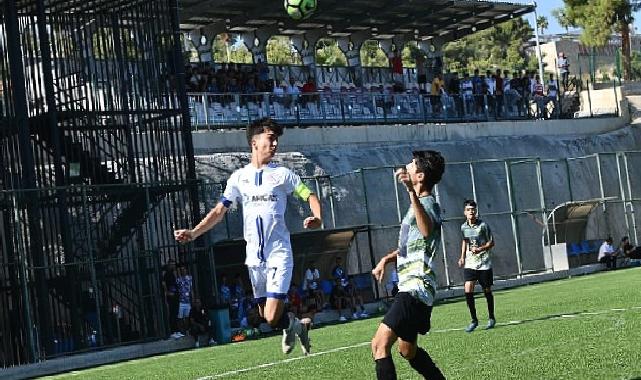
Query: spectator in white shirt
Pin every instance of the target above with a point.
(563, 65)
(311, 284)
(491, 83)
(607, 254)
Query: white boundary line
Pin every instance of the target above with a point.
(362, 344)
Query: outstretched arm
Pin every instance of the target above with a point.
(213, 217)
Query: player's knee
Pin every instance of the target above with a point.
(379, 348)
(408, 352)
(271, 319)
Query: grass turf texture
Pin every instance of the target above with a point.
(561, 330)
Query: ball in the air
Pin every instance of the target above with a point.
(300, 9)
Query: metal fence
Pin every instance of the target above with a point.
(211, 110)
(95, 300)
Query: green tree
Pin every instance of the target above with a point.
(280, 51)
(561, 18)
(372, 55)
(599, 19)
(329, 54)
(409, 54)
(227, 49)
(542, 24)
(503, 46)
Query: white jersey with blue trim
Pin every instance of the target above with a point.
(263, 193)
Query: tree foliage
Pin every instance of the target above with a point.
(599, 19)
(226, 48)
(542, 24)
(561, 18)
(329, 54)
(502, 46)
(372, 55)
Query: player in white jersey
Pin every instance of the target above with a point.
(262, 187)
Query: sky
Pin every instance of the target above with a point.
(545, 7)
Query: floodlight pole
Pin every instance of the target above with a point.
(538, 45)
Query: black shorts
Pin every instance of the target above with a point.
(422, 79)
(484, 277)
(408, 317)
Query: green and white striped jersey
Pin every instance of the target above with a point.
(416, 252)
(476, 235)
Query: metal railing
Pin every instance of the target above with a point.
(212, 110)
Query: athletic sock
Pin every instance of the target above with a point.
(385, 369)
(283, 322)
(424, 365)
(490, 304)
(469, 297)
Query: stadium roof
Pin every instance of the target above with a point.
(417, 19)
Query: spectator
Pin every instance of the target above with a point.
(354, 296)
(392, 283)
(292, 89)
(339, 298)
(453, 90)
(238, 297)
(171, 297)
(224, 291)
(396, 64)
(184, 287)
(294, 301)
(312, 286)
(467, 91)
(199, 322)
(263, 71)
(437, 86)
(491, 82)
(607, 254)
(339, 273)
(498, 83)
(539, 99)
(553, 87)
(628, 250)
(564, 69)
(476, 82)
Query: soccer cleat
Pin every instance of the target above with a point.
(364, 314)
(490, 324)
(355, 316)
(472, 326)
(289, 335)
(342, 319)
(302, 330)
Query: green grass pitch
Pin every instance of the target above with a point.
(586, 327)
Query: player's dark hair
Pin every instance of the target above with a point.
(430, 163)
(469, 202)
(259, 126)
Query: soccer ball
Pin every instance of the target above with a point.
(300, 9)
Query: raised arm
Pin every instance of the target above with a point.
(424, 223)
